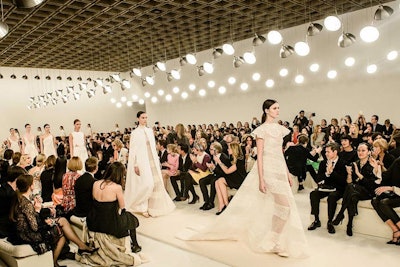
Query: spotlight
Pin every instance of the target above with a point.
(115, 78)
(53, 101)
(27, 3)
(70, 89)
(64, 98)
(59, 92)
(97, 82)
(249, 58)
(79, 78)
(137, 72)
(150, 80)
(332, 23)
(32, 98)
(238, 61)
(200, 70)
(48, 78)
(286, 51)
(314, 29)
(383, 12)
(125, 84)
(69, 78)
(37, 77)
(3, 29)
(191, 59)
(183, 61)
(107, 89)
(91, 93)
(161, 66)
(77, 96)
(89, 79)
(369, 34)
(258, 40)
(25, 77)
(346, 39)
(176, 74)
(274, 37)
(169, 76)
(13, 76)
(302, 48)
(217, 52)
(208, 67)
(59, 78)
(228, 49)
(83, 86)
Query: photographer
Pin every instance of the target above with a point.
(300, 120)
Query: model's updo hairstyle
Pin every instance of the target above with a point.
(139, 114)
(266, 105)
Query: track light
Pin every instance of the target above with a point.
(176, 74)
(70, 89)
(238, 61)
(286, 51)
(48, 78)
(314, 29)
(69, 78)
(183, 61)
(79, 78)
(37, 77)
(208, 67)
(83, 86)
(27, 3)
(346, 39)
(191, 59)
(13, 76)
(137, 72)
(107, 89)
(25, 77)
(64, 98)
(258, 40)
(217, 52)
(115, 78)
(125, 84)
(144, 82)
(169, 76)
(98, 82)
(200, 70)
(383, 12)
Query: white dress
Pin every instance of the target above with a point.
(262, 220)
(80, 150)
(14, 145)
(145, 193)
(48, 146)
(30, 147)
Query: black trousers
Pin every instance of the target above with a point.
(181, 177)
(384, 208)
(352, 194)
(208, 180)
(333, 197)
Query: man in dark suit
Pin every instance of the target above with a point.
(83, 188)
(184, 165)
(331, 183)
(217, 172)
(376, 127)
(162, 152)
(108, 152)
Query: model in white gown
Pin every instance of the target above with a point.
(268, 221)
(30, 146)
(77, 143)
(48, 146)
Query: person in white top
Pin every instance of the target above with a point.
(144, 189)
(77, 142)
(47, 142)
(13, 141)
(29, 142)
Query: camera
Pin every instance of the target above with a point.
(313, 114)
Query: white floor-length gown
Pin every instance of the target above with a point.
(30, 147)
(48, 146)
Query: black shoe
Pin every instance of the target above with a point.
(204, 205)
(87, 251)
(301, 187)
(136, 248)
(195, 199)
(219, 212)
(338, 220)
(209, 206)
(230, 198)
(314, 225)
(178, 199)
(330, 227)
(349, 230)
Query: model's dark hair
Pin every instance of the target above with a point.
(266, 105)
(26, 124)
(139, 114)
(76, 120)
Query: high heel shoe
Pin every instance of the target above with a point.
(349, 230)
(395, 240)
(195, 199)
(339, 219)
(87, 251)
(222, 210)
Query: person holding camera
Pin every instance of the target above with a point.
(300, 120)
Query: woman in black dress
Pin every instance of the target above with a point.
(234, 177)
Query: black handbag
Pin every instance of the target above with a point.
(387, 194)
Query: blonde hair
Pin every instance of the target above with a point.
(40, 159)
(180, 130)
(382, 144)
(173, 148)
(315, 134)
(75, 164)
(118, 143)
(236, 152)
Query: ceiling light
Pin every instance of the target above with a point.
(200, 70)
(274, 37)
(37, 105)
(135, 97)
(79, 78)
(176, 74)
(332, 23)
(332, 74)
(37, 77)
(83, 86)
(161, 66)
(228, 49)
(123, 99)
(27, 3)
(383, 12)
(13, 76)
(208, 67)
(118, 105)
(269, 83)
(183, 61)
(314, 67)
(160, 92)
(41, 98)
(299, 79)
(125, 84)
(168, 97)
(97, 82)
(90, 93)
(238, 61)
(349, 61)
(258, 40)
(249, 58)
(202, 92)
(64, 98)
(44, 104)
(392, 55)
(107, 89)
(59, 78)
(192, 87)
(150, 80)
(144, 82)
(141, 101)
(48, 78)
(222, 89)
(314, 29)
(191, 59)
(184, 95)
(113, 100)
(369, 34)
(372, 68)
(286, 51)
(88, 79)
(256, 76)
(137, 72)
(115, 78)
(283, 72)
(217, 52)
(53, 101)
(32, 98)
(77, 96)
(59, 92)
(302, 49)
(129, 103)
(147, 95)
(211, 84)
(49, 95)
(346, 39)
(231, 80)
(69, 78)
(244, 86)
(3, 28)
(169, 76)
(175, 89)
(70, 89)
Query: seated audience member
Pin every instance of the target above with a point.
(367, 132)
(347, 154)
(83, 188)
(355, 135)
(42, 234)
(250, 151)
(108, 153)
(36, 171)
(108, 214)
(47, 178)
(361, 184)
(68, 185)
(233, 176)
(376, 127)
(25, 162)
(331, 136)
(387, 198)
(317, 138)
(16, 158)
(198, 170)
(162, 152)
(332, 182)
(380, 153)
(388, 129)
(120, 152)
(172, 164)
(296, 159)
(216, 172)
(7, 193)
(184, 165)
(395, 151)
(5, 164)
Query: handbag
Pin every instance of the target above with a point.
(387, 194)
